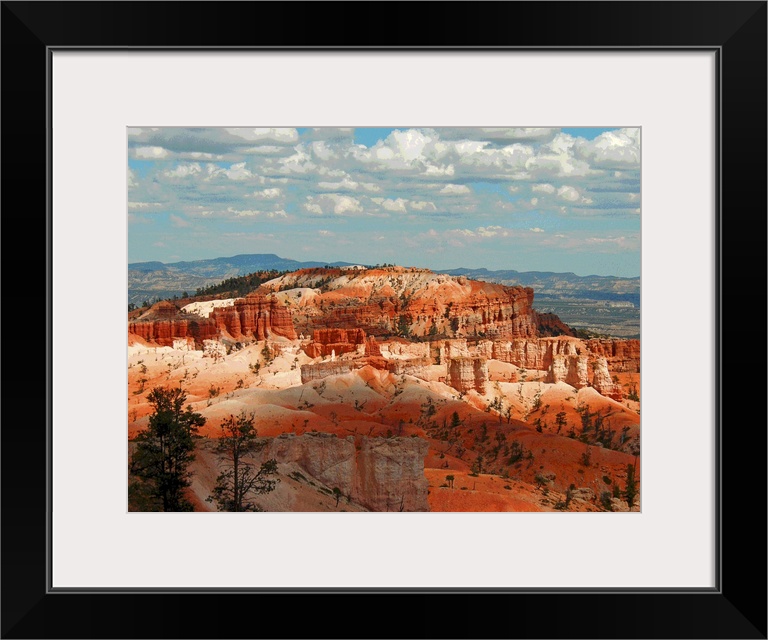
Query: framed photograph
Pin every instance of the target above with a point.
(374, 374)
(329, 241)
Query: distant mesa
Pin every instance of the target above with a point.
(157, 279)
(411, 303)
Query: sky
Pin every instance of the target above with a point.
(529, 199)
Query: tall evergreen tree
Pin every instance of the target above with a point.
(630, 492)
(241, 479)
(163, 453)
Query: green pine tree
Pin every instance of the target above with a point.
(163, 453)
(241, 480)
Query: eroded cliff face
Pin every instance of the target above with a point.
(564, 359)
(255, 316)
(602, 380)
(390, 474)
(327, 342)
(532, 354)
(410, 366)
(571, 360)
(620, 355)
(372, 348)
(382, 474)
(479, 309)
(571, 369)
(465, 374)
(411, 302)
(162, 324)
(320, 370)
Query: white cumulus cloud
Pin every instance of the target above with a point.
(183, 170)
(237, 171)
(568, 193)
(151, 153)
(490, 231)
(500, 133)
(143, 205)
(557, 158)
(455, 190)
(342, 185)
(333, 203)
(612, 149)
(397, 205)
(422, 205)
(252, 213)
(266, 194)
(285, 136)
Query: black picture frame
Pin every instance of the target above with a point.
(736, 608)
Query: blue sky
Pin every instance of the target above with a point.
(545, 199)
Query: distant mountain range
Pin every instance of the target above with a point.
(157, 280)
(235, 266)
(559, 286)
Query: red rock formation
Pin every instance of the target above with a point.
(534, 354)
(255, 316)
(602, 381)
(377, 317)
(571, 369)
(410, 366)
(164, 309)
(468, 373)
(326, 342)
(381, 474)
(549, 325)
(415, 302)
(390, 474)
(455, 348)
(570, 359)
(400, 348)
(483, 309)
(377, 362)
(163, 323)
(163, 332)
(320, 370)
(372, 348)
(621, 355)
